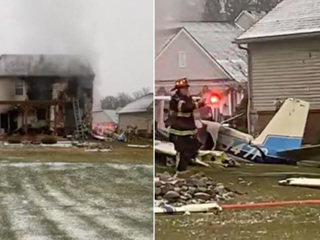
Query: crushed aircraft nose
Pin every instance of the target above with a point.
(219, 158)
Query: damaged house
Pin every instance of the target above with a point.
(45, 93)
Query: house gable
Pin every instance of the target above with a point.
(199, 64)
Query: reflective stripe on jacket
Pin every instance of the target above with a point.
(181, 115)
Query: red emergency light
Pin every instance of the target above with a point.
(109, 127)
(215, 98)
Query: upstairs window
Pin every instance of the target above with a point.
(182, 59)
(19, 88)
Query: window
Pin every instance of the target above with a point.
(182, 59)
(19, 88)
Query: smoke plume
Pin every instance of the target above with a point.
(94, 28)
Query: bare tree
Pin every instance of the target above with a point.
(141, 93)
(217, 10)
(122, 99)
(109, 102)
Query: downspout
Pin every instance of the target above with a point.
(249, 86)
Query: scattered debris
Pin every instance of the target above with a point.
(187, 209)
(95, 147)
(98, 137)
(205, 158)
(219, 158)
(13, 144)
(58, 144)
(96, 150)
(301, 182)
(138, 146)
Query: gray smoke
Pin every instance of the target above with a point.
(110, 33)
(167, 11)
(178, 10)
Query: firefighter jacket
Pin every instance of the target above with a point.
(181, 115)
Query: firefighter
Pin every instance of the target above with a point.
(182, 124)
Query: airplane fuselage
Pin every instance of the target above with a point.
(237, 145)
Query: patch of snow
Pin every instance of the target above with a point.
(34, 164)
(62, 145)
(66, 222)
(109, 221)
(25, 225)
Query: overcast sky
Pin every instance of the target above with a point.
(116, 36)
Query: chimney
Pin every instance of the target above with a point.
(223, 12)
(118, 110)
(247, 18)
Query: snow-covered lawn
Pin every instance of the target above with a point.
(56, 200)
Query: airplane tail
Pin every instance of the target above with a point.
(285, 130)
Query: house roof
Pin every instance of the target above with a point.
(163, 37)
(142, 104)
(216, 38)
(105, 116)
(290, 18)
(45, 65)
(112, 114)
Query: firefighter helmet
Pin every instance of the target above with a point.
(181, 83)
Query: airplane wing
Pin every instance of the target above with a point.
(303, 153)
(167, 148)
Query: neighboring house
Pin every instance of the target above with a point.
(203, 52)
(103, 120)
(284, 60)
(38, 91)
(138, 113)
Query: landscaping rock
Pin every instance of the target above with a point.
(192, 190)
(203, 196)
(172, 196)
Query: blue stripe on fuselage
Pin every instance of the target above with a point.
(282, 143)
(227, 143)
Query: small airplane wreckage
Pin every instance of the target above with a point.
(279, 143)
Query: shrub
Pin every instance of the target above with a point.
(49, 140)
(14, 140)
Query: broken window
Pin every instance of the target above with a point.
(19, 88)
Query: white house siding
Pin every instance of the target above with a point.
(7, 93)
(285, 69)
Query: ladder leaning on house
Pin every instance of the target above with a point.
(80, 135)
